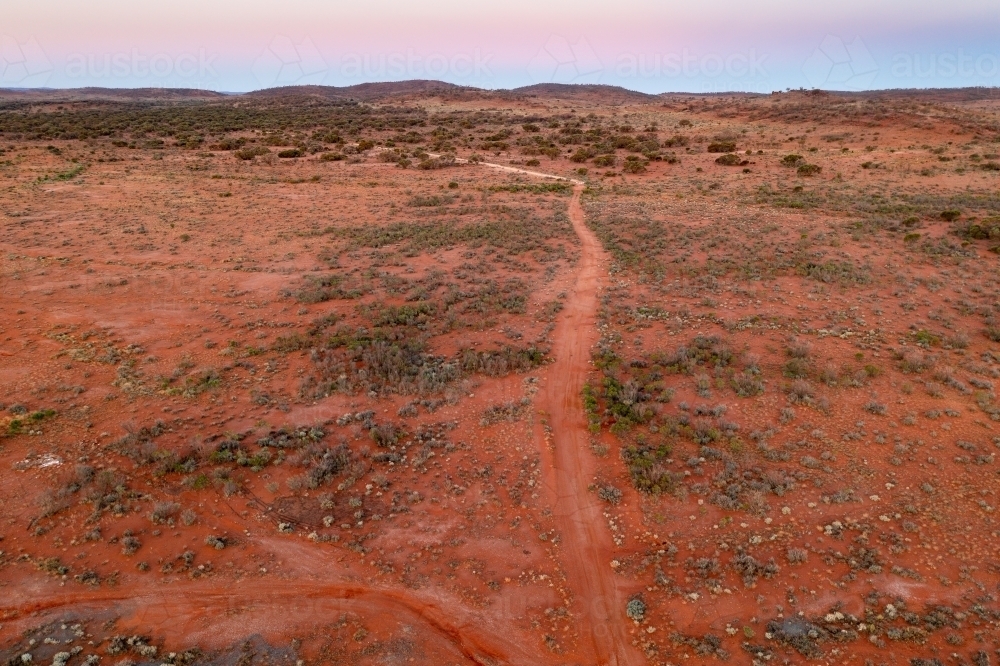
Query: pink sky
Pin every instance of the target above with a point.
(653, 46)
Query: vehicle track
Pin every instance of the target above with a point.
(188, 611)
(587, 545)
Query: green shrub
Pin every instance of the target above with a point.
(290, 343)
(722, 147)
(925, 338)
(729, 159)
(843, 272)
(634, 164)
(989, 229)
(561, 187)
(42, 414)
(797, 368)
(647, 468)
(69, 175)
(275, 140)
(436, 162)
(430, 201)
(636, 609)
(610, 494)
(386, 434)
(323, 288)
(808, 170)
(251, 152)
(590, 408)
(747, 385)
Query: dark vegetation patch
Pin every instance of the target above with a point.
(382, 363)
(643, 244)
(514, 229)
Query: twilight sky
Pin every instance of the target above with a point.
(693, 46)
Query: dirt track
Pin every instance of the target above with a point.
(212, 613)
(587, 542)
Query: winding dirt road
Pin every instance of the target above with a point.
(587, 542)
(587, 545)
(588, 548)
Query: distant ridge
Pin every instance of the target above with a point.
(575, 90)
(972, 94)
(419, 87)
(362, 91)
(95, 93)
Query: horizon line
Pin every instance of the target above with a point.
(460, 87)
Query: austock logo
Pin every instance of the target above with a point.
(23, 64)
(560, 61)
(411, 64)
(286, 63)
(835, 64)
(686, 63)
(135, 64)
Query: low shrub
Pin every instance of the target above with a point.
(507, 411)
(635, 609)
(874, 407)
(722, 147)
(251, 152)
(988, 229)
(634, 164)
(747, 385)
(610, 494)
(801, 392)
(164, 512)
(730, 159)
(647, 467)
(219, 543)
(797, 555)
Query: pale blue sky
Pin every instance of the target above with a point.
(704, 46)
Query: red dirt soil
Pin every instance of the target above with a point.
(354, 406)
